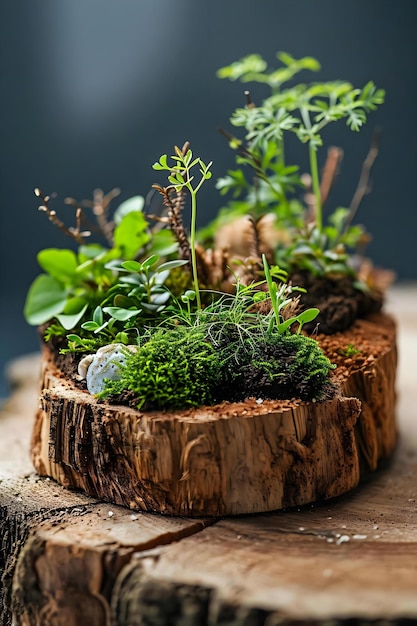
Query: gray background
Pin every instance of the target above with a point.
(93, 91)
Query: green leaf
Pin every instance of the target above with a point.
(60, 264)
(46, 298)
(131, 235)
(170, 265)
(120, 314)
(163, 243)
(122, 301)
(308, 315)
(150, 261)
(122, 337)
(90, 325)
(136, 203)
(98, 315)
(71, 320)
(251, 63)
(132, 266)
(162, 163)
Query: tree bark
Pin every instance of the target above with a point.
(223, 460)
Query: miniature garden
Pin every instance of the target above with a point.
(170, 317)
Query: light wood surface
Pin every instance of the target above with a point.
(66, 559)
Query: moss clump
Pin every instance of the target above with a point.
(174, 369)
(277, 367)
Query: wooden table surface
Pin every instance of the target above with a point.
(68, 560)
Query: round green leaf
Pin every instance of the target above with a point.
(136, 203)
(46, 298)
(61, 264)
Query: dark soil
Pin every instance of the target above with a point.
(339, 301)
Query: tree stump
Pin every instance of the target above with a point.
(68, 560)
(229, 459)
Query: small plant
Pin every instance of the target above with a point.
(303, 110)
(349, 351)
(180, 177)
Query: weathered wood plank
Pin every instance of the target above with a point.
(356, 558)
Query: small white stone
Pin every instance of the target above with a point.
(301, 528)
(134, 518)
(110, 513)
(360, 537)
(330, 540)
(105, 363)
(84, 364)
(259, 401)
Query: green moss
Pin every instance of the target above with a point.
(277, 366)
(174, 369)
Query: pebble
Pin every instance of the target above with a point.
(360, 537)
(342, 539)
(110, 513)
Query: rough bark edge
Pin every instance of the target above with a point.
(374, 438)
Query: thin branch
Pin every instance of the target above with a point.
(363, 186)
(249, 103)
(330, 170)
(74, 233)
(101, 206)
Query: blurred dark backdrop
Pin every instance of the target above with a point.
(93, 91)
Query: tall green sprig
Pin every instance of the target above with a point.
(304, 109)
(180, 177)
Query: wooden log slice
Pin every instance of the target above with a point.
(231, 458)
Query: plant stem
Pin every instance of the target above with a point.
(316, 185)
(192, 242)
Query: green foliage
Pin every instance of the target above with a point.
(100, 292)
(133, 291)
(172, 369)
(180, 177)
(279, 301)
(304, 110)
(349, 351)
(229, 347)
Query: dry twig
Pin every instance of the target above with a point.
(73, 232)
(330, 170)
(363, 186)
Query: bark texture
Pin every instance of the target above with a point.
(223, 460)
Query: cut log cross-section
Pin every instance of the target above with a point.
(228, 459)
